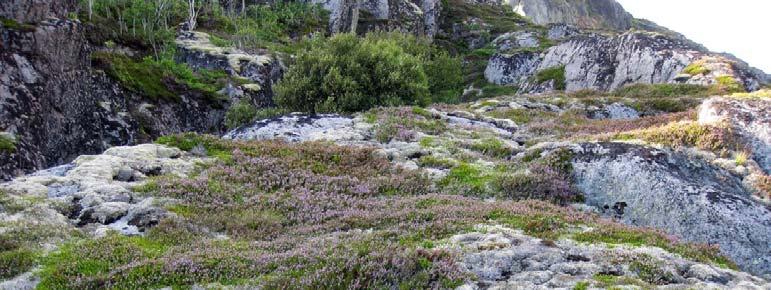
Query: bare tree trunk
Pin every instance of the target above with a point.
(192, 14)
(90, 9)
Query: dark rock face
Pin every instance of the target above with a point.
(36, 10)
(594, 14)
(57, 107)
(678, 194)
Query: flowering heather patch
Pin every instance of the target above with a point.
(718, 139)
(299, 216)
(402, 123)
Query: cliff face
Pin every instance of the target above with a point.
(55, 106)
(420, 17)
(595, 14)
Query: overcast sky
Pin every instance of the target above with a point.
(740, 27)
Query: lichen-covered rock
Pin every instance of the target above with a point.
(605, 63)
(518, 39)
(420, 17)
(750, 118)
(593, 14)
(344, 14)
(299, 127)
(263, 70)
(503, 258)
(95, 194)
(615, 111)
(683, 196)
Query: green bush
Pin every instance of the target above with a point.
(15, 262)
(556, 74)
(7, 143)
(729, 84)
(240, 114)
(347, 74)
(696, 69)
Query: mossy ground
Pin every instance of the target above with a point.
(161, 80)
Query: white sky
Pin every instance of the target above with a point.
(740, 27)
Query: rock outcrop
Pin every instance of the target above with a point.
(344, 14)
(420, 17)
(594, 14)
(749, 118)
(97, 190)
(261, 71)
(503, 258)
(55, 106)
(33, 11)
(594, 61)
(678, 194)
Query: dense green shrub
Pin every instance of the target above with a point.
(7, 142)
(15, 262)
(346, 74)
(696, 69)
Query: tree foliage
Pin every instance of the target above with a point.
(347, 74)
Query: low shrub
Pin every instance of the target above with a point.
(619, 234)
(729, 84)
(492, 147)
(7, 143)
(717, 139)
(696, 69)
(556, 74)
(14, 262)
(660, 91)
(348, 74)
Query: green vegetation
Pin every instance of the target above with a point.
(347, 74)
(649, 270)
(7, 143)
(161, 79)
(436, 162)
(729, 84)
(661, 91)
(492, 147)
(639, 237)
(15, 261)
(584, 285)
(500, 20)
(696, 69)
(267, 25)
(13, 24)
(556, 74)
(610, 281)
(239, 114)
(717, 139)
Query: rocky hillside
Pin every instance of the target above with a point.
(392, 144)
